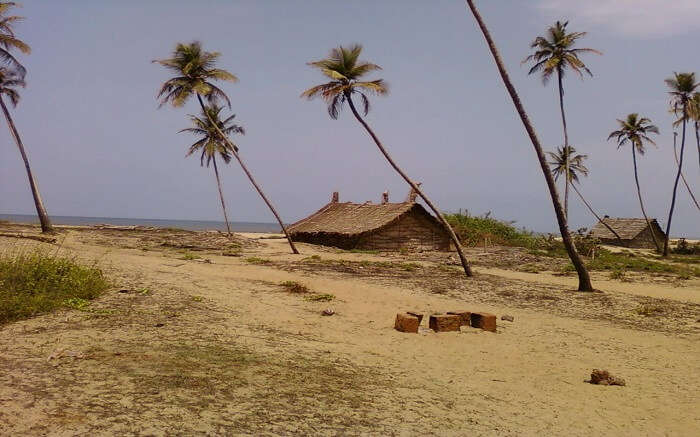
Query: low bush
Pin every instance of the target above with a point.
(685, 248)
(37, 282)
(475, 230)
(257, 260)
(295, 287)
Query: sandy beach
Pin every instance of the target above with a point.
(214, 345)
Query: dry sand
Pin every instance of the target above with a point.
(221, 349)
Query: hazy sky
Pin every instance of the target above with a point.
(100, 147)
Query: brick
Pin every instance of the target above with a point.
(445, 322)
(406, 323)
(420, 316)
(485, 321)
(464, 317)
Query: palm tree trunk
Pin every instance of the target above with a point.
(675, 184)
(641, 203)
(414, 186)
(566, 142)
(675, 156)
(38, 203)
(697, 138)
(221, 196)
(267, 202)
(594, 213)
(584, 279)
(250, 177)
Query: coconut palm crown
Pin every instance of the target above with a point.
(555, 52)
(345, 71)
(576, 166)
(636, 130)
(10, 80)
(682, 86)
(8, 40)
(211, 144)
(195, 72)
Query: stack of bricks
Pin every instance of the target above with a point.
(452, 321)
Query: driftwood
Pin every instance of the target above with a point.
(51, 240)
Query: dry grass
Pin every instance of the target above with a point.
(615, 308)
(170, 369)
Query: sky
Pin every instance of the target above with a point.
(99, 145)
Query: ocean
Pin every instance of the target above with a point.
(192, 225)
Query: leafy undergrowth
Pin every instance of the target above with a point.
(36, 282)
(628, 261)
(475, 230)
(295, 287)
(364, 264)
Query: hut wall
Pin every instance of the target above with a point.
(323, 239)
(645, 241)
(642, 241)
(412, 231)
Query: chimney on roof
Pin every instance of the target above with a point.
(385, 198)
(413, 194)
(335, 197)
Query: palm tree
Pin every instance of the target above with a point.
(682, 87)
(345, 71)
(10, 80)
(211, 144)
(694, 113)
(635, 130)
(693, 116)
(560, 159)
(584, 279)
(685, 182)
(195, 72)
(555, 53)
(8, 40)
(12, 77)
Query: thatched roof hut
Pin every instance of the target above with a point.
(383, 226)
(633, 232)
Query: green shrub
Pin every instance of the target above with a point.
(36, 282)
(628, 261)
(649, 310)
(620, 275)
(257, 260)
(295, 287)
(685, 248)
(320, 297)
(474, 230)
(188, 256)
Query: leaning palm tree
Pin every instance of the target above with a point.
(10, 80)
(693, 116)
(685, 182)
(8, 40)
(682, 86)
(584, 279)
(12, 77)
(560, 159)
(211, 144)
(555, 53)
(195, 70)
(345, 72)
(694, 112)
(635, 130)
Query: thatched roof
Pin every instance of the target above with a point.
(349, 218)
(627, 228)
